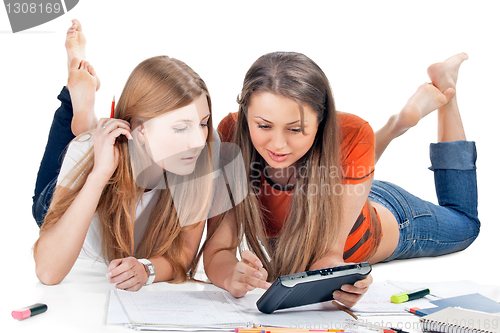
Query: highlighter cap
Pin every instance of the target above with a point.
(399, 298)
(21, 314)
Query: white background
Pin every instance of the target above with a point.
(375, 54)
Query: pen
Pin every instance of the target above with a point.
(29, 311)
(345, 309)
(410, 295)
(416, 311)
(113, 108)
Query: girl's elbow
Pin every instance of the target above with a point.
(48, 276)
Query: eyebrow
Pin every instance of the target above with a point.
(267, 121)
(190, 120)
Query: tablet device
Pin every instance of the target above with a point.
(310, 287)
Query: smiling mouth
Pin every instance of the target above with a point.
(278, 154)
(277, 157)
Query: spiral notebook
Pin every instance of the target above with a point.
(451, 320)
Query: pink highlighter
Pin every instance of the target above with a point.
(29, 311)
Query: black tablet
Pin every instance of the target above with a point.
(310, 287)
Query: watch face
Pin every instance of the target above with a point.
(151, 269)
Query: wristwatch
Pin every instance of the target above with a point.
(150, 269)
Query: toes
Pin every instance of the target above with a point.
(75, 64)
(77, 24)
(459, 57)
(71, 33)
(91, 70)
(84, 65)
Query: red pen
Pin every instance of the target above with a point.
(29, 311)
(113, 108)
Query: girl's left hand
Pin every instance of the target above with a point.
(350, 294)
(128, 274)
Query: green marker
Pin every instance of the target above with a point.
(410, 295)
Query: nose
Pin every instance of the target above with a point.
(279, 141)
(197, 139)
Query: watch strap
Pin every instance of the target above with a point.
(149, 268)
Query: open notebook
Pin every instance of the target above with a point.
(451, 320)
(218, 309)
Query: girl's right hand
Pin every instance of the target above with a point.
(106, 155)
(248, 274)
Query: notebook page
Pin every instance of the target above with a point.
(315, 316)
(180, 308)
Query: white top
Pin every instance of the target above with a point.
(92, 247)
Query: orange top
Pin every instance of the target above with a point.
(357, 163)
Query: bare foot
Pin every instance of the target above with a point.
(82, 84)
(426, 99)
(444, 74)
(75, 45)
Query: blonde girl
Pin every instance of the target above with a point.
(113, 199)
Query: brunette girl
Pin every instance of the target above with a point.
(313, 202)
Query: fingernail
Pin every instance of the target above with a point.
(258, 275)
(345, 288)
(258, 264)
(358, 285)
(336, 294)
(108, 275)
(249, 288)
(267, 285)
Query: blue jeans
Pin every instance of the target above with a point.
(60, 136)
(426, 229)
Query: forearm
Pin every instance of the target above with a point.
(332, 259)
(353, 199)
(219, 267)
(59, 246)
(164, 270)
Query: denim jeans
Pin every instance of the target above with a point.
(60, 136)
(426, 229)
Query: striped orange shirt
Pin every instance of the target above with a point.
(357, 163)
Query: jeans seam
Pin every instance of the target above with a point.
(388, 189)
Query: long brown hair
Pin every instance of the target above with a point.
(156, 86)
(314, 220)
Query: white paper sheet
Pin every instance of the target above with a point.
(377, 299)
(116, 315)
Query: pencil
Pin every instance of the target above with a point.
(345, 309)
(287, 329)
(113, 108)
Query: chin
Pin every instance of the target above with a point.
(182, 171)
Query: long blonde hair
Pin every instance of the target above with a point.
(314, 220)
(156, 86)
